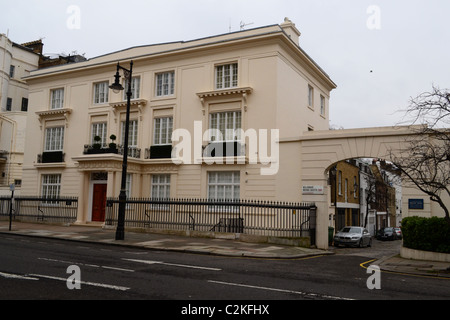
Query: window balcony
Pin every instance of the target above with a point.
(224, 152)
(159, 152)
(224, 149)
(93, 149)
(133, 152)
(3, 156)
(51, 157)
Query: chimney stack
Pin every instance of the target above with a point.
(289, 28)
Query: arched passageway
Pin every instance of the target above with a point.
(321, 150)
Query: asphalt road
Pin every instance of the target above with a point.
(378, 250)
(40, 269)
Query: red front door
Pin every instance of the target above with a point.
(99, 202)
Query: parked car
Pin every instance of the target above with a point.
(398, 231)
(387, 234)
(353, 236)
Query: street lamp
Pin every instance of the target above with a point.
(117, 87)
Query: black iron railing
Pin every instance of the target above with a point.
(280, 219)
(40, 209)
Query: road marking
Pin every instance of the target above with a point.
(117, 269)
(306, 294)
(174, 264)
(86, 265)
(362, 265)
(16, 276)
(136, 252)
(101, 285)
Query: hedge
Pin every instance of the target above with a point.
(427, 234)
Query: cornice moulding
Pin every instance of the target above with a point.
(54, 113)
(225, 92)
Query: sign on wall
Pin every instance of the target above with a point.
(415, 204)
(312, 190)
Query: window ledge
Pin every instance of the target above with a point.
(224, 160)
(159, 161)
(51, 112)
(225, 92)
(134, 102)
(64, 113)
(241, 91)
(50, 165)
(139, 103)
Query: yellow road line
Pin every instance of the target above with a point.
(362, 265)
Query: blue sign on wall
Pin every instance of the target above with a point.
(415, 204)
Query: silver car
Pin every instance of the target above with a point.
(353, 236)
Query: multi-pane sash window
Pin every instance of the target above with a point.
(54, 139)
(24, 106)
(128, 184)
(132, 134)
(57, 99)
(322, 105)
(101, 91)
(225, 126)
(165, 84)
(310, 96)
(12, 70)
(162, 132)
(227, 76)
(135, 88)
(161, 186)
(100, 130)
(8, 104)
(224, 185)
(51, 185)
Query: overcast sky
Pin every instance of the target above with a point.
(380, 53)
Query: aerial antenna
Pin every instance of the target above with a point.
(243, 25)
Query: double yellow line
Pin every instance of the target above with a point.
(362, 265)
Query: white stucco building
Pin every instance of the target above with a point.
(250, 88)
(252, 80)
(16, 62)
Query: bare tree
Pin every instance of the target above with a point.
(425, 158)
(431, 109)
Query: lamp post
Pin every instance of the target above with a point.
(117, 87)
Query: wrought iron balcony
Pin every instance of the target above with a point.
(133, 152)
(51, 157)
(224, 149)
(159, 152)
(91, 149)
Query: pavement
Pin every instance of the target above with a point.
(201, 245)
